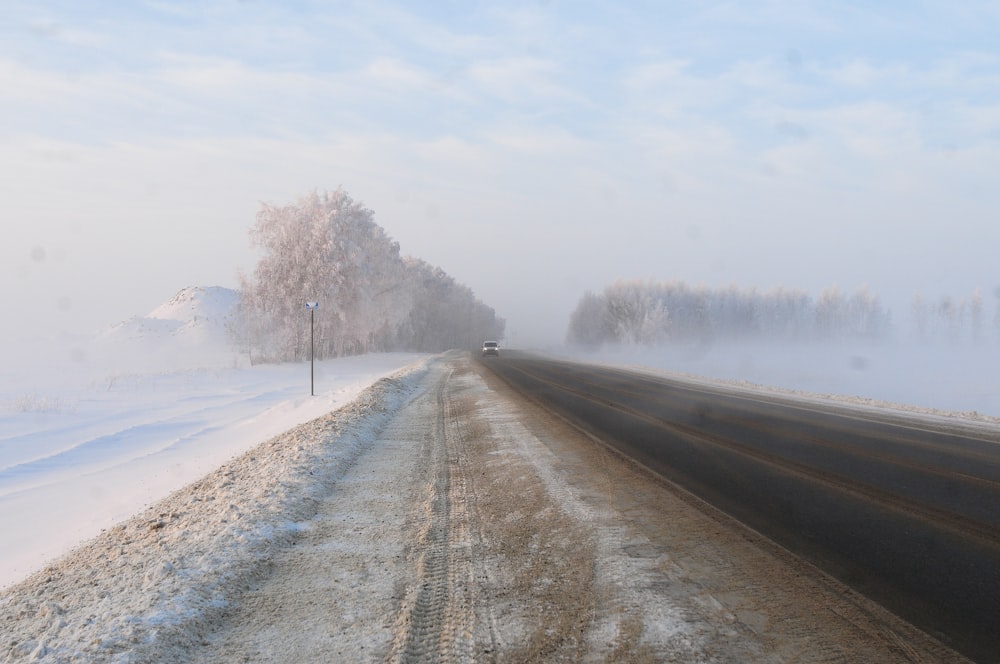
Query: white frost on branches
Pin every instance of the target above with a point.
(651, 313)
(328, 248)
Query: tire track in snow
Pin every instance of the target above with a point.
(436, 620)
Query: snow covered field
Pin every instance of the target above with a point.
(79, 458)
(92, 431)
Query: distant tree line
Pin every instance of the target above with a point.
(954, 319)
(327, 248)
(651, 313)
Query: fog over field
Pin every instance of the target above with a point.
(948, 381)
(942, 355)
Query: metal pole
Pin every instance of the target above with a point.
(312, 355)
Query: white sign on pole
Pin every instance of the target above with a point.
(312, 305)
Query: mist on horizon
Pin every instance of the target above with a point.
(534, 152)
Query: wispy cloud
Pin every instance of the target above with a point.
(523, 81)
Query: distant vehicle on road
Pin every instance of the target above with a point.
(491, 348)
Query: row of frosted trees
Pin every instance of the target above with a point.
(327, 248)
(651, 313)
(954, 319)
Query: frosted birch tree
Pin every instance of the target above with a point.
(328, 248)
(649, 313)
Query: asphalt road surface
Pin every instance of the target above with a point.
(904, 510)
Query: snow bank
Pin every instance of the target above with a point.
(156, 576)
(78, 457)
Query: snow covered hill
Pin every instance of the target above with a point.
(196, 317)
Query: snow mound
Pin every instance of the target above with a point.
(196, 315)
(155, 581)
(210, 305)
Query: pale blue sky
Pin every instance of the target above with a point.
(531, 150)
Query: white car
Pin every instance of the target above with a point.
(491, 348)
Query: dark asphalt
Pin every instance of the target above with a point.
(904, 511)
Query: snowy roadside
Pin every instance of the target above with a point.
(89, 449)
(161, 571)
(439, 518)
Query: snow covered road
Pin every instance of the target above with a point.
(439, 518)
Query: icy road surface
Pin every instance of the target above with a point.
(439, 518)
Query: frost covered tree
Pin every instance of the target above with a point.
(636, 312)
(315, 250)
(328, 248)
(859, 315)
(589, 324)
(918, 311)
(976, 315)
(445, 314)
(649, 313)
(951, 319)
